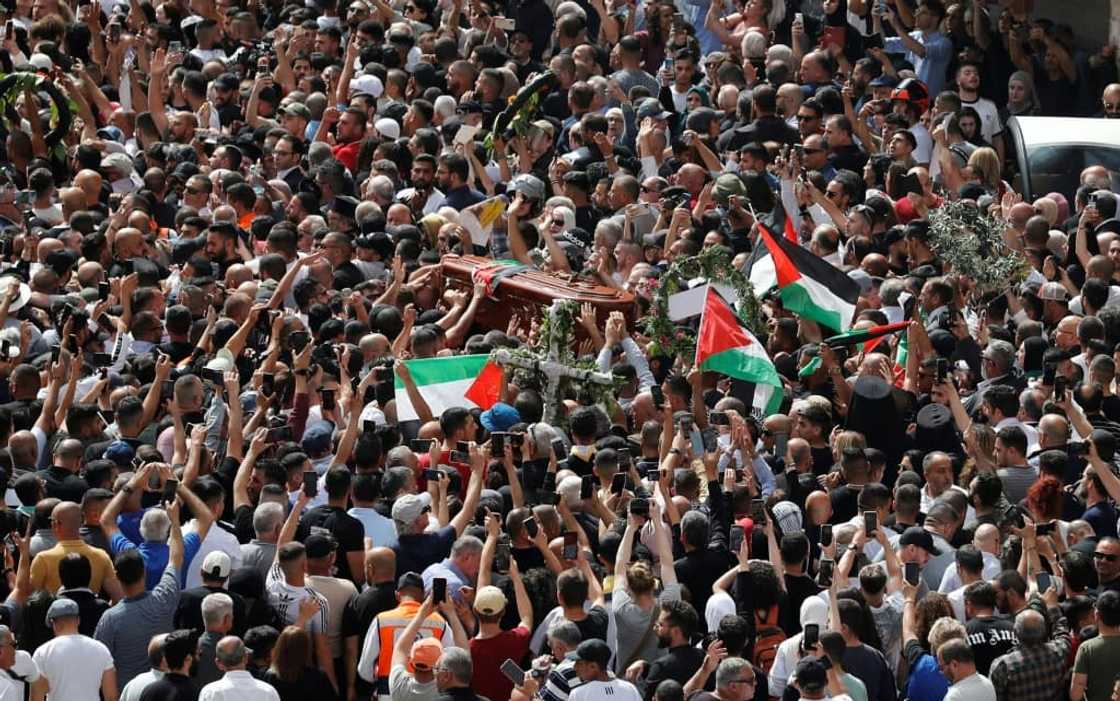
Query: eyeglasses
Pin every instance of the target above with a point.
(1106, 557)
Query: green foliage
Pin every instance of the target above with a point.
(971, 244)
(713, 264)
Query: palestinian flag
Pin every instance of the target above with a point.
(723, 345)
(760, 267)
(869, 337)
(443, 382)
(900, 356)
(486, 389)
(809, 286)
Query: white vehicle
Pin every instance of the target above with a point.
(1051, 152)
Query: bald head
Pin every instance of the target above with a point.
(129, 243)
(1053, 430)
(24, 449)
(90, 183)
(230, 653)
(67, 517)
(986, 539)
(381, 564)
(1030, 627)
(1020, 214)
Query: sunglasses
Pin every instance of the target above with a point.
(558, 223)
(1106, 557)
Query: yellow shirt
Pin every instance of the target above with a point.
(44, 568)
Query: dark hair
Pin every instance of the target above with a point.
(682, 615)
(129, 566)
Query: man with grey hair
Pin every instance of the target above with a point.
(259, 552)
(563, 637)
(735, 680)
(454, 673)
(996, 364)
(217, 616)
(1038, 668)
(460, 569)
(236, 684)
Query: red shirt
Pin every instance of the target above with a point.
(347, 154)
(424, 462)
(489, 654)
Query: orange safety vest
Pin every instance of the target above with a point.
(390, 625)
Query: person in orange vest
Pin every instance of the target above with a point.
(381, 638)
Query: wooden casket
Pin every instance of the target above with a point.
(530, 292)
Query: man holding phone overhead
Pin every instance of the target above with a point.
(417, 548)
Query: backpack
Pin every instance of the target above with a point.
(768, 636)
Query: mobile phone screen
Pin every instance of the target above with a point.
(439, 590)
(512, 672)
(912, 572)
(571, 546)
(311, 483)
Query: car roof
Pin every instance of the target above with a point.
(1037, 131)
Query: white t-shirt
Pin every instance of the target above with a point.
(26, 668)
(989, 117)
(614, 690)
(217, 538)
(73, 665)
(973, 688)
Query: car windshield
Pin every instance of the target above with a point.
(1057, 167)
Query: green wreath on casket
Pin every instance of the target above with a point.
(522, 109)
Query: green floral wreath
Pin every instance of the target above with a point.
(560, 327)
(971, 244)
(714, 264)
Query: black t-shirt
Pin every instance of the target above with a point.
(189, 612)
(989, 637)
(347, 531)
(594, 625)
(64, 485)
(845, 503)
(528, 558)
(171, 687)
(822, 460)
(798, 588)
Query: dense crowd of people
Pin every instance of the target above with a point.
(228, 239)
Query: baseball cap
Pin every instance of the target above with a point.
(425, 652)
(62, 608)
(916, 535)
(368, 84)
(594, 650)
(388, 128)
(119, 452)
(317, 437)
(652, 107)
(499, 417)
(408, 508)
(811, 674)
(227, 81)
(298, 109)
(528, 185)
(1053, 291)
(319, 545)
(216, 565)
(489, 601)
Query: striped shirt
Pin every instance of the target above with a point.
(561, 680)
(285, 600)
(1016, 481)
